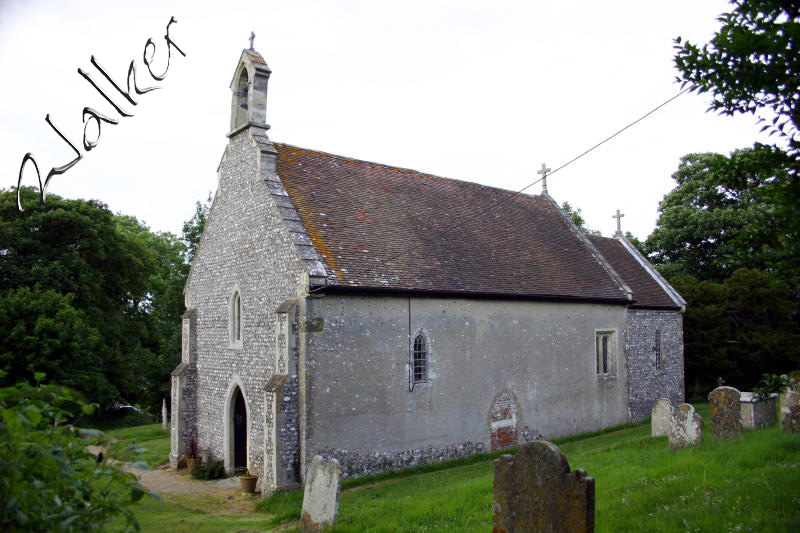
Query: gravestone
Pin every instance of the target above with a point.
(726, 418)
(756, 413)
(686, 427)
(164, 415)
(535, 491)
(790, 406)
(321, 496)
(661, 418)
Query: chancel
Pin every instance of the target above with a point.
(323, 319)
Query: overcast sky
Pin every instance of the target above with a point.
(473, 90)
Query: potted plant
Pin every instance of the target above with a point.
(247, 481)
(193, 460)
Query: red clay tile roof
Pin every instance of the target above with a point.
(360, 216)
(646, 290)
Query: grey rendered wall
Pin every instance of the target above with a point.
(646, 383)
(245, 246)
(360, 410)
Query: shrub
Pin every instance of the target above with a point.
(769, 384)
(211, 469)
(48, 481)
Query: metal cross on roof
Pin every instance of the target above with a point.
(252, 36)
(544, 172)
(618, 216)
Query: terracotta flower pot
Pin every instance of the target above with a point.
(248, 484)
(193, 462)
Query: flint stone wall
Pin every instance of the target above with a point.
(646, 383)
(358, 465)
(246, 246)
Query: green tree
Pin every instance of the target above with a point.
(730, 212)
(48, 481)
(125, 281)
(751, 64)
(737, 329)
(40, 331)
(577, 217)
(161, 306)
(193, 228)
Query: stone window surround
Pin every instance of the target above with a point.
(428, 359)
(233, 316)
(419, 358)
(611, 334)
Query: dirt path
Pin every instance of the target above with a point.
(166, 481)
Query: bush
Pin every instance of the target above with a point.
(48, 481)
(211, 469)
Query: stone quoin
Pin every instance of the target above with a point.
(322, 319)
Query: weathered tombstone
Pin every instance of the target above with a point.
(164, 415)
(686, 427)
(790, 406)
(726, 418)
(661, 418)
(321, 496)
(535, 491)
(756, 413)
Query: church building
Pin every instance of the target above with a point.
(362, 311)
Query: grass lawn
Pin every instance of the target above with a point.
(747, 484)
(150, 437)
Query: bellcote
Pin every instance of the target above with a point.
(249, 88)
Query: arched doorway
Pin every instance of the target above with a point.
(239, 430)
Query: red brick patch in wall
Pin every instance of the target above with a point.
(503, 423)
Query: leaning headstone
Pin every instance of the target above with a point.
(661, 418)
(726, 418)
(321, 496)
(164, 415)
(790, 406)
(686, 427)
(757, 413)
(535, 491)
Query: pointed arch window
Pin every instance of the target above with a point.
(657, 350)
(420, 360)
(235, 320)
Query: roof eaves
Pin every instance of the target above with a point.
(363, 289)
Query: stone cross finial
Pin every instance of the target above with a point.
(544, 172)
(252, 36)
(618, 216)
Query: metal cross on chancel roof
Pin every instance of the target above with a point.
(618, 216)
(544, 172)
(252, 37)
